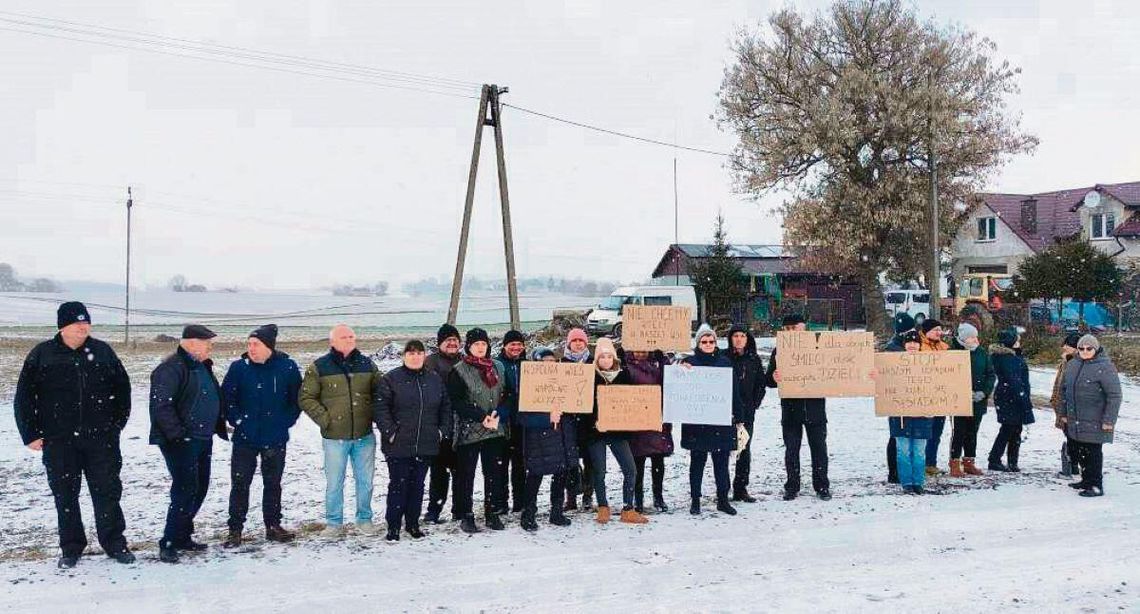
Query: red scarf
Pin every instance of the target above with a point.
(486, 369)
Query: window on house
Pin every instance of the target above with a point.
(987, 228)
(1102, 225)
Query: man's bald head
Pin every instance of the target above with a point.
(342, 339)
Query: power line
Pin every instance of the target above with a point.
(615, 132)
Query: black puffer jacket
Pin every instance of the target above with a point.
(172, 398)
(808, 411)
(748, 371)
(62, 392)
(412, 412)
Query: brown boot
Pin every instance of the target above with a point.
(279, 535)
(233, 539)
(956, 468)
(970, 468)
(603, 514)
(632, 516)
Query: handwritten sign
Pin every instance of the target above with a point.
(699, 395)
(557, 386)
(645, 328)
(629, 408)
(923, 384)
(825, 364)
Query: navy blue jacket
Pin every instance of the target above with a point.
(707, 437)
(261, 400)
(412, 413)
(910, 427)
(548, 450)
(1011, 396)
(172, 398)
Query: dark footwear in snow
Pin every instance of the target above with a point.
(824, 495)
(123, 557)
(917, 490)
(432, 517)
(493, 522)
(1092, 491)
(559, 519)
(168, 555)
(722, 505)
(527, 521)
(997, 466)
(1014, 469)
(1078, 485)
(743, 497)
(68, 561)
(233, 539)
(393, 535)
(695, 508)
(571, 505)
(467, 525)
(789, 495)
(191, 546)
(416, 532)
(279, 535)
(659, 504)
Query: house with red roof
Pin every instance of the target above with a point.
(1003, 229)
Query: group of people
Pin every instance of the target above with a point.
(443, 415)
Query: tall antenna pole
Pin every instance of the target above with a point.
(127, 327)
(676, 224)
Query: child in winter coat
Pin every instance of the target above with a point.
(910, 436)
(1011, 397)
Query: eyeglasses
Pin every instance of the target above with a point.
(708, 342)
(1085, 349)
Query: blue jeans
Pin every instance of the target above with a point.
(936, 425)
(912, 461)
(338, 452)
(620, 449)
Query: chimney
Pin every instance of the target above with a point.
(1029, 215)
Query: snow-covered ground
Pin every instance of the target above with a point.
(1010, 541)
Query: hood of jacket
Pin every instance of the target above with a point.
(749, 346)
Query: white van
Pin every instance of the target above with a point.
(605, 319)
(913, 302)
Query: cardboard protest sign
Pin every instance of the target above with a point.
(825, 364)
(923, 384)
(629, 408)
(645, 328)
(698, 395)
(557, 386)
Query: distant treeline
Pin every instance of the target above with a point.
(561, 285)
(9, 282)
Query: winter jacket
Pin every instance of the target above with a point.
(808, 411)
(911, 427)
(1011, 396)
(512, 376)
(706, 437)
(441, 364)
(1057, 400)
(412, 412)
(1091, 394)
(588, 423)
(929, 345)
(548, 450)
(62, 391)
(172, 398)
(982, 376)
(472, 400)
(649, 372)
(339, 393)
(262, 400)
(748, 374)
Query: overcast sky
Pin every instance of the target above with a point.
(269, 179)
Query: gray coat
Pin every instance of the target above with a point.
(1090, 393)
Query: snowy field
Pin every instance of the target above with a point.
(1023, 542)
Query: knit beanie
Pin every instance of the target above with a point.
(266, 334)
(446, 331)
(70, 313)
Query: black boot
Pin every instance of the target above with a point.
(393, 534)
(415, 531)
(467, 525)
(722, 505)
(659, 503)
(168, 555)
(68, 561)
(639, 501)
(558, 519)
(493, 522)
(995, 465)
(741, 494)
(527, 521)
(432, 517)
(124, 557)
(695, 508)
(1012, 453)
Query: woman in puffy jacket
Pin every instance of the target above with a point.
(1011, 398)
(1091, 397)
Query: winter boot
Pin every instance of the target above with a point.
(932, 471)
(527, 521)
(432, 517)
(659, 503)
(68, 561)
(995, 465)
(722, 505)
(233, 539)
(393, 534)
(124, 557)
(790, 495)
(558, 519)
(956, 468)
(493, 522)
(279, 535)
(632, 516)
(824, 495)
(603, 514)
(587, 500)
(741, 494)
(415, 531)
(571, 504)
(168, 555)
(695, 508)
(969, 468)
(1078, 485)
(467, 525)
(1092, 491)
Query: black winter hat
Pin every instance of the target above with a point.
(513, 335)
(1008, 337)
(70, 313)
(903, 322)
(197, 331)
(477, 334)
(911, 336)
(793, 319)
(446, 331)
(266, 334)
(930, 324)
(1072, 339)
(415, 345)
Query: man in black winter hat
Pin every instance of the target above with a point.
(442, 361)
(72, 401)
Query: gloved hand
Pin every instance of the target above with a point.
(979, 396)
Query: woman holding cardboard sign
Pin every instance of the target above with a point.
(608, 372)
(550, 447)
(646, 369)
(701, 440)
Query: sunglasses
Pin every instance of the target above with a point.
(708, 342)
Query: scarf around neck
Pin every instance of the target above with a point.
(609, 376)
(486, 370)
(583, 356)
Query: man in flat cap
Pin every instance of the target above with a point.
(185, 414)
(73, 399)
(260, 391)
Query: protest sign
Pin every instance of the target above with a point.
(629, 408)
(557, 386)
(646, 328)
(698, 395)
(825, 364)
(923, 384)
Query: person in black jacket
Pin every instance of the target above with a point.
(185, 414)
(442, 466)
(1011, 398)
(550, 447)
(512, 471)
(413, 414)
(903, 324)
(748, 371)
(73, 398)
(797, 416)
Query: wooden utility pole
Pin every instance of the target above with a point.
(934, 282)
(127, 321)
(490, 114)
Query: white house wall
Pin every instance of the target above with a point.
(1006, 248)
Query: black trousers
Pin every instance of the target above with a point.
(243, 464)
(1008, 440)
(793, 431)
(580, 479)
(189, 465)
(964, 437)
(892, 461)
(442, 474)
(697, 472)
(67, 461)
(517, 471)
(657, 467)
(744, 459)
(557, 492)
(1090, 456)
(1071, 449)
(406, 490)
(490, 452)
